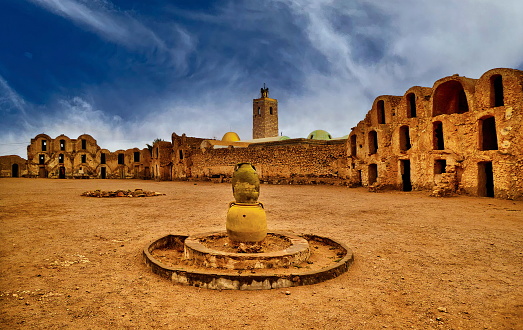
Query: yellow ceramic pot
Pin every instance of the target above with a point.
(245, 183)
(246, 222)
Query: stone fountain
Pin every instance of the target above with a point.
(247, 256)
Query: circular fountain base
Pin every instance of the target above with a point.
(307, 259)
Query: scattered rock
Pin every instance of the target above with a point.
(122, 193)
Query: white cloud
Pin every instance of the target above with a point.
(9, 98)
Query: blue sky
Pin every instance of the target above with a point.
(130, 71)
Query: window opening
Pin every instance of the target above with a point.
(84, 158)
(440, 166)
(373, 142)
(61, 158)
(381, 112)
(84, 144)
(438, 135)
(102, 158)
(120, 159)
(270, 110)
(353, 145)
(62, 144)
(136, 156)
(180, 152)
(404, 138)
(487, 131)
(44, 145)
(41, 159)
(496, 91)
(411, 105)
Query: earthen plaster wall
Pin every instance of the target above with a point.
(461, 133)
(299, 162)
(13, 166)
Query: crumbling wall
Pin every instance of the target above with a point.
(300, 162)
(459, 140)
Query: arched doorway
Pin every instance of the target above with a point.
(14, 171)
(103, 172)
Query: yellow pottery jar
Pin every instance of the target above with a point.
(246, 222)
(245, 183)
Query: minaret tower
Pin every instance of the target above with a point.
(264, 116)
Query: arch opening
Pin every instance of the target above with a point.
(450, 98)
(14, 171)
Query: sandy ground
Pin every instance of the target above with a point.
(68, 261)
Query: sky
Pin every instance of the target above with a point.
(130, 71)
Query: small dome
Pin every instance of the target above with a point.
(230, 137)
(319, 134)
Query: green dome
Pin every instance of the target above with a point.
(319, 134)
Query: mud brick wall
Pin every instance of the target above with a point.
(478, 123)
(298, 163)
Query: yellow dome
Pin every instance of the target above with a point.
(230, 137)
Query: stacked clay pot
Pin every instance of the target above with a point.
(246, 219)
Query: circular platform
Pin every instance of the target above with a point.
(313, 259)
(200, 254)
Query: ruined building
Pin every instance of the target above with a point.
(63, 158)
(461, 135)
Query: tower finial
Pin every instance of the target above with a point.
(264, 91)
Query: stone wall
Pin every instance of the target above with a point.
(459, 141)
(13, 166)
(291, 161)
(63, 157)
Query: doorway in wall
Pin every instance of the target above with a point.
(14, 171)
(485, 179)
(61, 172)
(406, 184)
(42, 173)
(373, 173)
(103, 172)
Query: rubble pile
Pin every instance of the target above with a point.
(121, 193)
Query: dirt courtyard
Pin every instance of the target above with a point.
(68, 261)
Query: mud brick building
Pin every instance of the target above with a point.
(460, 136)
(64, 157)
